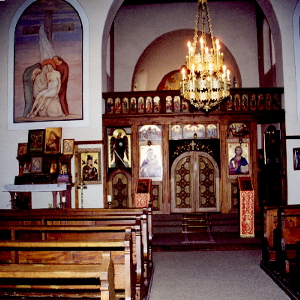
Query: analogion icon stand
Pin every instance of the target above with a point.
(247, 228)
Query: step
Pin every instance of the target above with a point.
(218, 222)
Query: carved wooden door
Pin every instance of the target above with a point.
(119, 187)
(194, 183)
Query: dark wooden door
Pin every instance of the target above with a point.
(194, 183)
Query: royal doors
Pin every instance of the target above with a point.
(194, 183)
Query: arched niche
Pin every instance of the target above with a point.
(164, 53)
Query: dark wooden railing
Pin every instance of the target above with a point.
(242, 100)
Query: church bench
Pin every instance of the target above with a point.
(281, 233)
(33, 216)
(7, 216)
(273, 229)
(110, 231)
(270, 225)
(289, 235)
(87, 217)
(18, 254)
(54, 277)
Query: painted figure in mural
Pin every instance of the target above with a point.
(28, 80)
(46, 102)
(150, 166)
(238, 164)
(118, 150)
(89, 172)
(39, 79)
(63, 68)
(45, 84)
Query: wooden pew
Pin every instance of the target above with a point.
(272, 229)
(24, 217)
(58, 269)
(281, 234)
(270, 225)
(289, 236)
(87, 232)
(45, 253)
(89, 217)
(5, 213)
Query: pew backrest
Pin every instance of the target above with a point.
(76, 252)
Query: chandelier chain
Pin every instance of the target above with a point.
(197, 26)
(210, 27)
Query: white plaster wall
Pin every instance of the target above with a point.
(137, 26)
(284, 10)
(96, 12)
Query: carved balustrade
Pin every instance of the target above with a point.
(242, 100)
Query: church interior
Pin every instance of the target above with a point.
(134, 127)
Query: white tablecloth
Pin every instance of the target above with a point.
(55, 187)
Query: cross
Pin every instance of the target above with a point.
(50, 28)
(193, 144)
(81, 186)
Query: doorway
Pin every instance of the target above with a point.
(195, 183)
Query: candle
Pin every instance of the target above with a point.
(183, 78)
(228, 74)
(201, 42)
(189, 45)
(206, 55)
(63, 199)
(183, 73)
(224, 71)
(109, 198)
(193, 76)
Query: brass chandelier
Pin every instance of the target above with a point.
(205, 80)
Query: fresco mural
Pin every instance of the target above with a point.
(48, 64)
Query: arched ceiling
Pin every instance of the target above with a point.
(265, 5)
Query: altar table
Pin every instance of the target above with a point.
(23, 191)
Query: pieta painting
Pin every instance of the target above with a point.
(48, 83)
